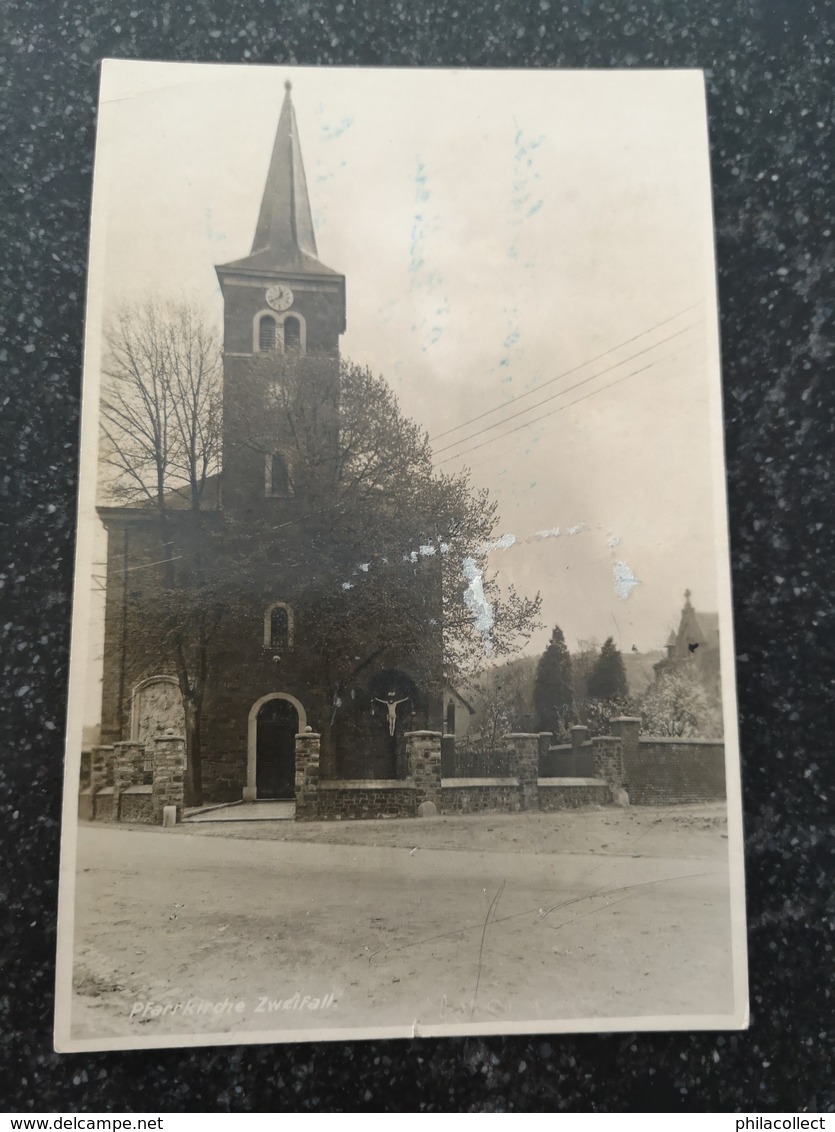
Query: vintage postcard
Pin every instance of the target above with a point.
(402, 692)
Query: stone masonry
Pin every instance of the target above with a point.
(101, 768)
(169, 775)
(128, 770)
(526, 747)
(308, 746)
(423, 750)
(608, 761)
(627, 728)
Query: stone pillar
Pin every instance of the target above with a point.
(579, 736)
(546, 738)
(608, 761)
(308, 749)
(169, 775)
(85, 770)
(526, 748)
(86, 788)
(101, 768)
(128, 770)
(424, 753)
(627, 728)
(447, 756)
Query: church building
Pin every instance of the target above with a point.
(694, 645)
(264, 522)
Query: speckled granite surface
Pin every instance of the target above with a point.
(770, 80)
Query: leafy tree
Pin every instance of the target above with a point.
(583, 661)
(501, 696)
(395, 546)
(553, 693)
(597, 715)
(384, 547)
(677, 706)
(607, 679)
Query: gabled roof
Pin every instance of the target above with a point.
(709, 625)
(178, 499)
(460, 698)
(696, 627)
(284, 237)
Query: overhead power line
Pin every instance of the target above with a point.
(565, 373)
(568, 389)
(559, 409)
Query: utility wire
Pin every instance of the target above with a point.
(553, 412)
(568, 389)
(566, 373)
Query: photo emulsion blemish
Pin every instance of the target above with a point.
(402, 693)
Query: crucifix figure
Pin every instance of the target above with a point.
(391, 705)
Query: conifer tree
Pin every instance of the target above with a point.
(553, 694)
(607, 680)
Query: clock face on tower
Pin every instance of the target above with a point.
(280, 297)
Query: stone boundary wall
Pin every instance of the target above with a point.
(480, 796)
(653, 772)
(115, 787)
(95, 799)
(570, 793)
(665, 772)
(103, 808)
(360, 799)
(136, 805)
(568, 760)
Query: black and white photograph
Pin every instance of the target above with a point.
(402, 691)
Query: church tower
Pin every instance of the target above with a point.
(279, 300)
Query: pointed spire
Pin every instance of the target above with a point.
(284, 236)
(285, 224)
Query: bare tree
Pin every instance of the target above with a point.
(161, 436)
(161, 405)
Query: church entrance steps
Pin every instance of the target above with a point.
(243, 811)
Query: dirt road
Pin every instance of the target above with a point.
(407, 930)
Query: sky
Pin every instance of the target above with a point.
(530, 248)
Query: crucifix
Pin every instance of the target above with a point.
(391, 705)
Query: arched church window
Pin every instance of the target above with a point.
(279, 628)
(266, 333)
(279, 475)
(292, 334)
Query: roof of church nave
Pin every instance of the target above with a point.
(175, 499)
(284, 237)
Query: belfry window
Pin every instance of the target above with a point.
(292, 335)
(266, 333)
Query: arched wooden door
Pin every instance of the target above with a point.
(275, 750)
